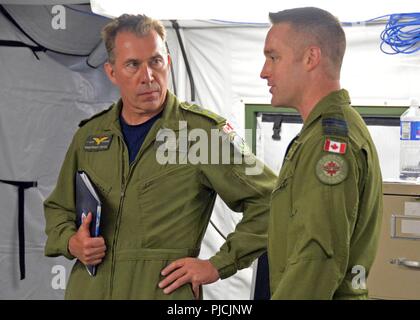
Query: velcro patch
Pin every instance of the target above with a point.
(98, 142)
(334, 127)
(331, 169)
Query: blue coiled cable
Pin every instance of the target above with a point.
(401, 33)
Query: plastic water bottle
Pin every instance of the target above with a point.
(410, 142)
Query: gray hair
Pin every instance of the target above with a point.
(140, 25)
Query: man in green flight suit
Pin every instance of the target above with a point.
(326, 208)
(155, 213)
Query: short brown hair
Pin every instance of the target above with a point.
(319, 27)
(139, 24)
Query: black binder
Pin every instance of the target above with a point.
(87, 200)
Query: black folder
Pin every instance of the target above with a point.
(87, 200)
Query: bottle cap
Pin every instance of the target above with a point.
(414, 102)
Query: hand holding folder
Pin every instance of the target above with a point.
(87, 201)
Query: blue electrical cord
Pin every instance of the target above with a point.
(401, 33)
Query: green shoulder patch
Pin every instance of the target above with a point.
(331, 169)
(204, 112)
(83, 122)
(334, 126)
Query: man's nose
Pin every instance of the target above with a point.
(264, 72)
(146, 75)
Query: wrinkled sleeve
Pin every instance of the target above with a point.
(323, 218)
(244, 188)
(59, 208)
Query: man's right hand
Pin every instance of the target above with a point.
(88, 250)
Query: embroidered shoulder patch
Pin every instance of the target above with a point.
(98, 142)
(335, 146)
(334, 127)
(228, 128)
(331, 169)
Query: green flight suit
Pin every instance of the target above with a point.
(153, 213)
(326, 208)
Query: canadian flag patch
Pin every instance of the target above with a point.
(334, 146)
(228, 128)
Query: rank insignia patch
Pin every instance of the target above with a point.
(335, 127)
(331, 169)
(98, 143)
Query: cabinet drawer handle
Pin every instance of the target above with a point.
(406, 263)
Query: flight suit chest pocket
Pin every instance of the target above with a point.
(171, 148)
(169, 185)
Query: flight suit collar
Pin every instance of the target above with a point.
(337, 98)
(170, 117)
(171, 120)
(114, 116)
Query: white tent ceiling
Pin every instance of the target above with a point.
(43, 2)
(249, 10)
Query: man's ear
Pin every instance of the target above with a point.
(312, 57)
(109, 70)
(169, 59)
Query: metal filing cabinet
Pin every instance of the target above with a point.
(395, 273)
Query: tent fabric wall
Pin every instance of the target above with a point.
(78, 33)
(372, 77)
(41, 104)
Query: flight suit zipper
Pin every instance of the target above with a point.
(117, 223)
(124, 184)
